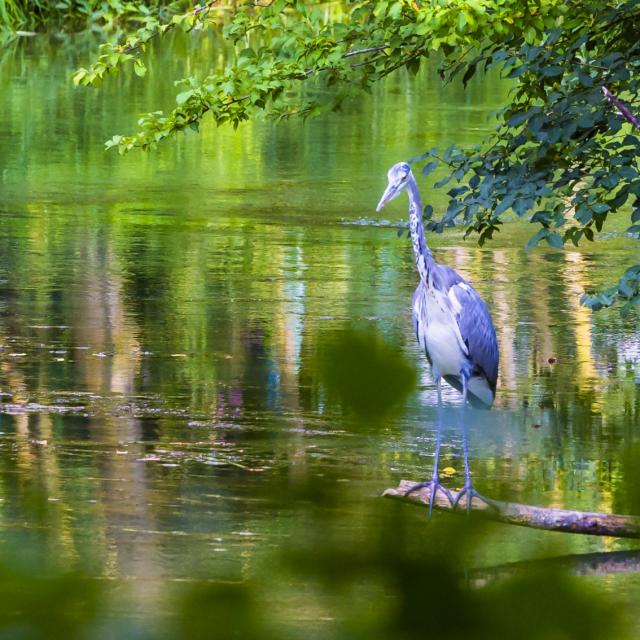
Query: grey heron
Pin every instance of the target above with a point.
(452, 324)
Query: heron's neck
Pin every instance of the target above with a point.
(421, 251)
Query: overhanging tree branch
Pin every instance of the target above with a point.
(556, 128)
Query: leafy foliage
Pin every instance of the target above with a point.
(16, 15)
(564, 150)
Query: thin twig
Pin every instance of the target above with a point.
(623, 109)
(359, 52)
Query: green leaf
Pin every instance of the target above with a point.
(522, 205)
(552, 71)
(429, 167)
(542, 233)
(530, 34)
(182, 97)
(555, 240)
(79, 75)
(114, 142)
(503, 205)
(517, 72)
(139, 69)
(248, 54)
(413, 66)
(456, 191)
(442, 183)
(468, 74)
(518, 118)
(600, 207)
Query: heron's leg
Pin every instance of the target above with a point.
(468, 489)
(434, 484)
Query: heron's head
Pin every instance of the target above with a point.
(398, 177)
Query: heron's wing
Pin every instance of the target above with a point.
(419, 308)
(476, 329)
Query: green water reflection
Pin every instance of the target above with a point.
(163, 415)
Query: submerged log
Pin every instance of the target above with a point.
(524, 515)
(601, 563)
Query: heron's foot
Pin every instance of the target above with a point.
(471, 493)
(434, 486)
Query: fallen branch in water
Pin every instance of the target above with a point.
(585, 564)
(596, 524)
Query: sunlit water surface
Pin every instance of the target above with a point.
(161, 314)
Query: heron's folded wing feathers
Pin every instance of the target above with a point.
(419, 308)
(476, 329)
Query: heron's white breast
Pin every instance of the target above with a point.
(442, 335)
(444, 350)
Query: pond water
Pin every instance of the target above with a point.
(163, 415)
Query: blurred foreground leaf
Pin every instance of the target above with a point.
(627, 497)
(35, 604)
(219, 611)
(366, 374)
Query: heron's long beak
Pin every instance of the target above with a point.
(390, 193)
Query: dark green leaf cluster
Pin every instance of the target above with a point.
(565, 150)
